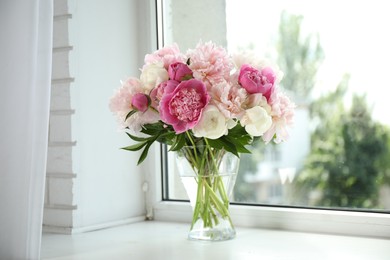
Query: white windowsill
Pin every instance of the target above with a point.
(346, 223)
(167, 240)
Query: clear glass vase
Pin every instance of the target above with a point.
(208, 176)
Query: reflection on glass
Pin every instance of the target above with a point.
(334, 58)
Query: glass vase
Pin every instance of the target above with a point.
(208, 176)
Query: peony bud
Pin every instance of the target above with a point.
(140, 102)
(179, 71)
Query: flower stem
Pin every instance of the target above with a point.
(211, 199)
(193, 146)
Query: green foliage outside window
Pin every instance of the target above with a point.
(349, 154)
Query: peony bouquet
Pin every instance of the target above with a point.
(204, 104)
(203, 97)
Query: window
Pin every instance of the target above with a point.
(337, 156)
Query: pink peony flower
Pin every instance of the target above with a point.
(179, 71)
(167, 55)
(210, 63)
(182, 106)
(207, 92)
(120, 103)
(130, 96)
(229, 99)
(255, 81)
(157, 93)
(241, 58)
(140, 102)
(282, 116)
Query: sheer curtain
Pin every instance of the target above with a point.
(25, 73)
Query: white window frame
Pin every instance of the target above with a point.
(295, 219)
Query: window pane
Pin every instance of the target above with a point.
(334, 58)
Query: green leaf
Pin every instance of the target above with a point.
(245, 139)
(228, 146)
(223, 143)
(238, 130)
(215, 143)
(136, 138)
(238, 145)
(132, 112)
(144, 153)
(135, 147)
(153, 129)
(166, 138)
(179, 142)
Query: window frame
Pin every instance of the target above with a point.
(330, 221)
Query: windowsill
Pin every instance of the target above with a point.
(167, 240)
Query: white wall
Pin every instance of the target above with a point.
(108, 187)
(107, 46)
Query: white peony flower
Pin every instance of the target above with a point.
(136, 121)
(256, 121)
(153, 74)
(212, 124)
(231, 123)
(257, 99)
